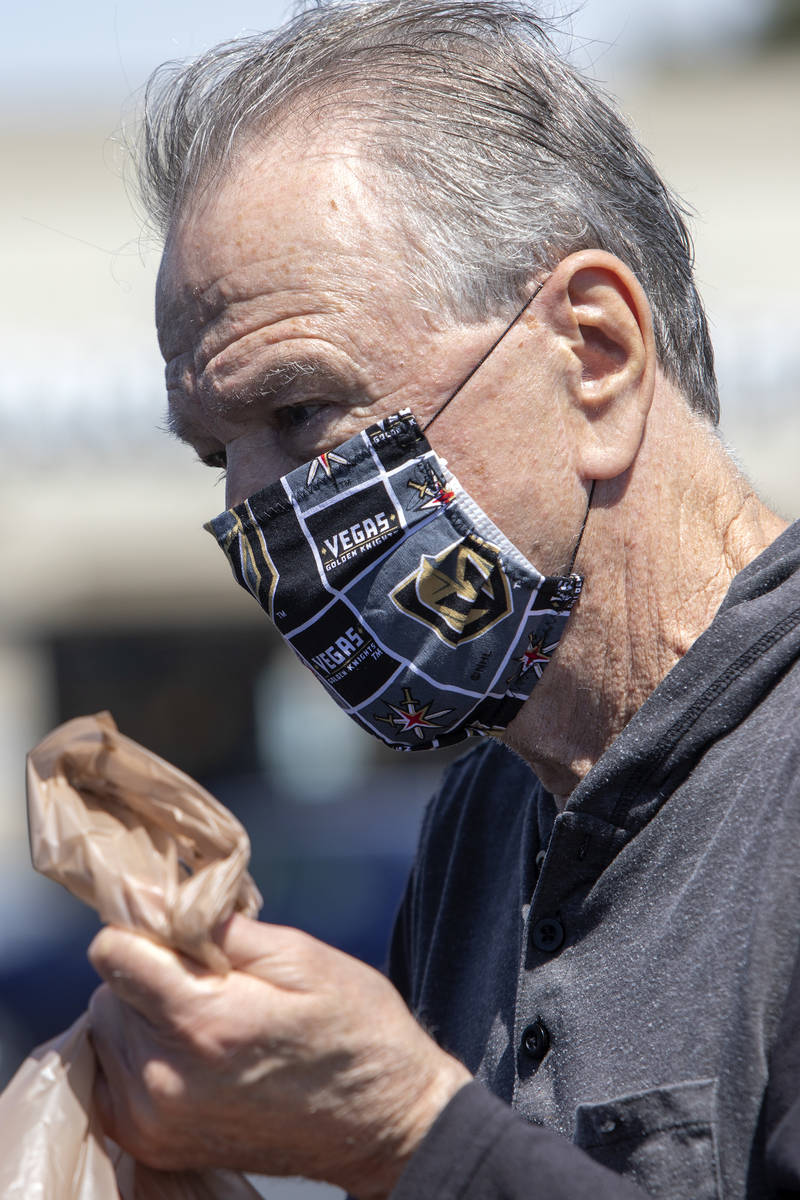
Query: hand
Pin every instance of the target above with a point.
(301, 1061)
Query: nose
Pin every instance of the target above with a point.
(253, 461)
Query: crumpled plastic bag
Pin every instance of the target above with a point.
(151, 850)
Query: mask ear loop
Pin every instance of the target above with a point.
(484, 357)
(583, 526)
(477, 367)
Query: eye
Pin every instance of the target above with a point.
(295, 416)
(217, 459)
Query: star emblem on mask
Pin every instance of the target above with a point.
(324, 462)
(431, 495)
(411, 716)
(535, 657)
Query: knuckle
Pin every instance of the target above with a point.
(162, 1083)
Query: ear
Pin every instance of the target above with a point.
(598, 312)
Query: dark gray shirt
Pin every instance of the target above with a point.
(618, 973)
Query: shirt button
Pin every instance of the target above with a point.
(536, 1041)
(547, 934)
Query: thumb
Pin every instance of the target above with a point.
(146, 975)
(277, 954)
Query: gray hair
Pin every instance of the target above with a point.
(501, 157)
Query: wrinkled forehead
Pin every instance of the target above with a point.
(286, 215)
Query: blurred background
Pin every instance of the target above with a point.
(112, 596)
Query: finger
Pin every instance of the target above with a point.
(111, 1043)
(103, 1103)
(151, 978)
(288, 959)
(112, 1027)
(268, 950)
(132, 1075)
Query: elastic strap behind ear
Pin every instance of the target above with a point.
(583, 526)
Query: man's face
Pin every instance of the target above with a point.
(286, 323)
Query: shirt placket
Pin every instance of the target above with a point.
(579, 850)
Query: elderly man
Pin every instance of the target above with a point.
(428, 303)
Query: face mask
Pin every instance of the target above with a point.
(388, 581)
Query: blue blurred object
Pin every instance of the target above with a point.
(336, 869)
(43, 993)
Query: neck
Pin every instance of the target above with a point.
(661, 547)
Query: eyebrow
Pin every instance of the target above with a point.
(277, 382)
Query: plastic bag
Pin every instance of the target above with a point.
(147, 847)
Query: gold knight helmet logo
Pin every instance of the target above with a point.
(459, 593)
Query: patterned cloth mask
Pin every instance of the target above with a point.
(388, 581)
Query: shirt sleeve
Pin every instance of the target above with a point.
(479, 1149)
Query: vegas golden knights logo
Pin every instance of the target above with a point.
(253, 566)
(459, 593)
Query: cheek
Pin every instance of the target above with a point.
(527, 488)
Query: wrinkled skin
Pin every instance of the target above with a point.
(301, 1061)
